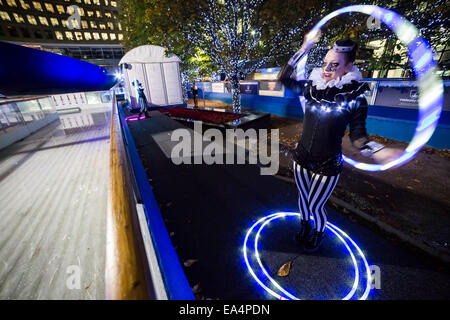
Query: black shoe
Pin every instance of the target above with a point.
(304, 233)
(313, 243)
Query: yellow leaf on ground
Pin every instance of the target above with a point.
(284, 270)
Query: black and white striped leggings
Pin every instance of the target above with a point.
(314, 190)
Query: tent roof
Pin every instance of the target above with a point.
(148, 54)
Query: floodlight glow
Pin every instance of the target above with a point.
(424, 65)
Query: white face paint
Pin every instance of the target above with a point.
(335, 65)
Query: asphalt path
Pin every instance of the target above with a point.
(209, 208)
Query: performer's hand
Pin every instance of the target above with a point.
(308, 44)
(386, 154)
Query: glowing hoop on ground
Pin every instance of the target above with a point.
(338, 233)
(431, 88)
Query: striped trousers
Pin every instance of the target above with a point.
(314, 190)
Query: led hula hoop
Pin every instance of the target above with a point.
(341, 235)
(422, 60)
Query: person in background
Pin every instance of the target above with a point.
(142, 100)
(195, 94)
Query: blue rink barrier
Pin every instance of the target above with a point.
(389, 122)
(175, 282)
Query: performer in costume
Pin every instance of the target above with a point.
(142, 100)
(334, 99)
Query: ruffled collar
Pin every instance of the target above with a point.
(320, 83)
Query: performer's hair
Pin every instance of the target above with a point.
(351, 55)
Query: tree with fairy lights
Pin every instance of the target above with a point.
(237, 37)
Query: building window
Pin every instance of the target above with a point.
(84, 24)
(97, 2)
(102, 26)
(93, 25)
(90, 13)
(12, 31)
(112, 36)
(120, 36)
(59, 35)
(54, 21)
(78, 36)
(110, 25)
(87, 36)
(25, 33)
(43, 20)
(119, 25)
(60, 9)
(37, 6)
(99, 14)
(5, 16)
(81, 11)
(108, 14)
(49, 7)
(18, 18)
(87, 1)
(96, 36)
(24, 5)
(104, 36)
(11, 3)
(75, 24)
(106, 2)
(114, 3)
(64, 23)
(31, 19)
(69, 35)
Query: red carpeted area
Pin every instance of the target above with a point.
(210, 116)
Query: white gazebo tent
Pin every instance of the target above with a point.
(158, 74)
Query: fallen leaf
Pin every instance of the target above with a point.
(409, 187)
(172, 234)
(284, 270)
(190, 262)
(196, 289)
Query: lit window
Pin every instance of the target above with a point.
(4, 16)
(87, 1)
(64, 23)
(49, 7)
(11, 3)
(108, 14)
(102, 26)
(87, 36)
(54, 21)
(114, 3)
(60, 9)
(99, 15)
(110, 25)
(104, 36)
(106, 2)
(24, 5)
(43, 20)
(112, 36)
(93, 25)
(81, 10)
(31, 19)
(69, 35)
(18, 18)
(37, 6)
(84, 24)
(59, 35)
(90, 13)
(120, 36)
(78, 36)
(119, 25)
(96, 35)
(97, 2)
